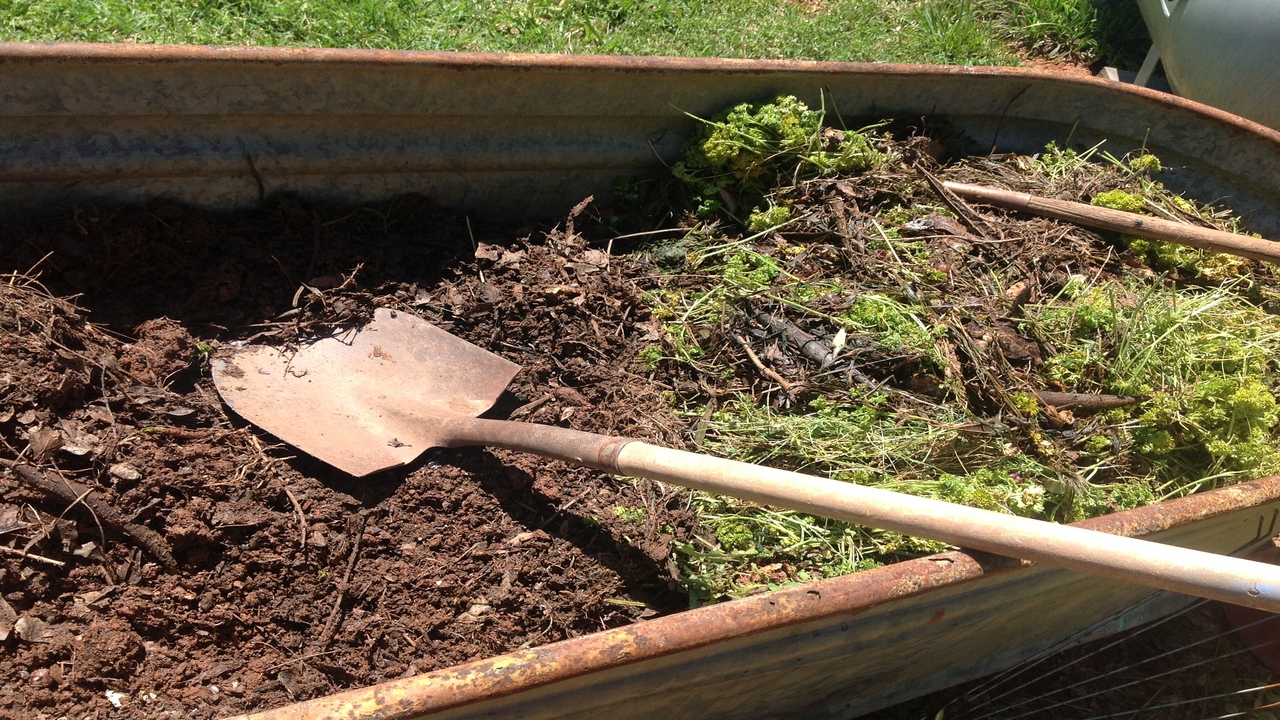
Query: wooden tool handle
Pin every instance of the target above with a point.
(1193, 572)
(1101, 218)
(1143, 562)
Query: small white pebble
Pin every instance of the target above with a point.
(116, 698)
(124, 471)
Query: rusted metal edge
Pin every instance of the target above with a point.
(525, 670)
(187, 54)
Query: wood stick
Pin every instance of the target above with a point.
(302, 519)
(355, 530)
(72, 492)
(1092, 402)
(811, 347)
(1101, 218)
(30, 556)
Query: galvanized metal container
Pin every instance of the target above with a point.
(522, 135)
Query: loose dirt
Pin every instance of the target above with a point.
(289, 580)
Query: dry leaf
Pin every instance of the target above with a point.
(7, 619)
(44, 441)
(124, 471)
(511, 258)
(599, 258)
(32, 629)
(11, 519)
(485, 251)
(87, 550)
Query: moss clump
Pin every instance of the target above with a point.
(1089, 312)
(1120, 200)
(756, 147)
(1203, 362)
(1229, 419)
(750, 271)
(1161, 255)
(651, 357)
(630, 515)
(992, 489)
(1145, 164)
(1167, 256)
(1026, 403)
(895, 326)
(735, 534)
(774, 216)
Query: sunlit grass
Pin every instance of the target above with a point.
(977, 32)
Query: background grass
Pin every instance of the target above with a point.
(978, 32)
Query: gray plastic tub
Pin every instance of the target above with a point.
(1224, 53)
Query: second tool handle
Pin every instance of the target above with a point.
(1101, 218)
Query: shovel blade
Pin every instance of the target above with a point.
(368, 400)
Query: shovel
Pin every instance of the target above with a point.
(377, 398)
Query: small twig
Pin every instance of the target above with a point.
(180, 433)
(257, 179)
(647, 233)
(555, 514)
(302, 519)
(528, 408)
(335, 615)
(31, 556)
(73, 492)
(967, 215)
(768, 372)
(700, 431)
(301, 658)
(1089, 402)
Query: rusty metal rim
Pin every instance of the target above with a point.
(306, 56)
(525, 670)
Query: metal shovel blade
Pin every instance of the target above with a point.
(364, 401)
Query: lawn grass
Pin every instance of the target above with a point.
(976, 32)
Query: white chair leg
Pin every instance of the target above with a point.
(1148, 67)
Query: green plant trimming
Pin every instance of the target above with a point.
(1199, 355)
(739, 155)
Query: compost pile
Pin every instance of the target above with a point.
(162, 556)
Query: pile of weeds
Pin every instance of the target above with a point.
(833, 310)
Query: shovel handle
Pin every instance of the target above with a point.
(1202, 574)
(1101, 218)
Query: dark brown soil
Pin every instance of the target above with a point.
(293, 580)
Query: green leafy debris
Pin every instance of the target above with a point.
(856, 327)
(754, 147)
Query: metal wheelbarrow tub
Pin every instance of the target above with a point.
(512, 136)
